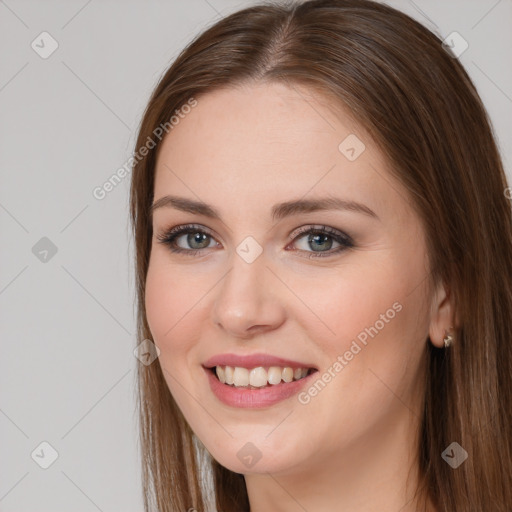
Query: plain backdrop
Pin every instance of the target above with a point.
(67, 123)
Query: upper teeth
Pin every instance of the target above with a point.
(258, 377)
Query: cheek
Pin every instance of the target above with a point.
(169, 310)
(374, 316)
(380, 321)
(160, 303)
(370, 361)
(347, 304)
(169, 300)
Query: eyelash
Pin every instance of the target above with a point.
(168, 238)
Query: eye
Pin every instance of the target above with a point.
(193, 235)
(321, 237)
(197, 239)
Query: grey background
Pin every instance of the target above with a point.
(67, 123)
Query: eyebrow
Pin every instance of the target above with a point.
(279, 211)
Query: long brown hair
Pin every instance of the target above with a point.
(421, 107)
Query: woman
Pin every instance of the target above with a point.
(324, 261)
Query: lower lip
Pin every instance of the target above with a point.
(255, 398)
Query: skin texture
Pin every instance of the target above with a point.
(242, 150)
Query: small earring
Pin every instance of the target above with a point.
(448, 339)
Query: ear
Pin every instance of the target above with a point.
(442, 318)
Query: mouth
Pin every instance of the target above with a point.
(259, 377)
(256, 380)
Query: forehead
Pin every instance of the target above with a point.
(268, 142)
(271, 121)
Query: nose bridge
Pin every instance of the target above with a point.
(245, 299)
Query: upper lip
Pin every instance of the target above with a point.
(253, 361)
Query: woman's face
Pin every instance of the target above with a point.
(258, 280)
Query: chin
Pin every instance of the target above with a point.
(255, 457)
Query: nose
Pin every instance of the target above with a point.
(247, 302)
